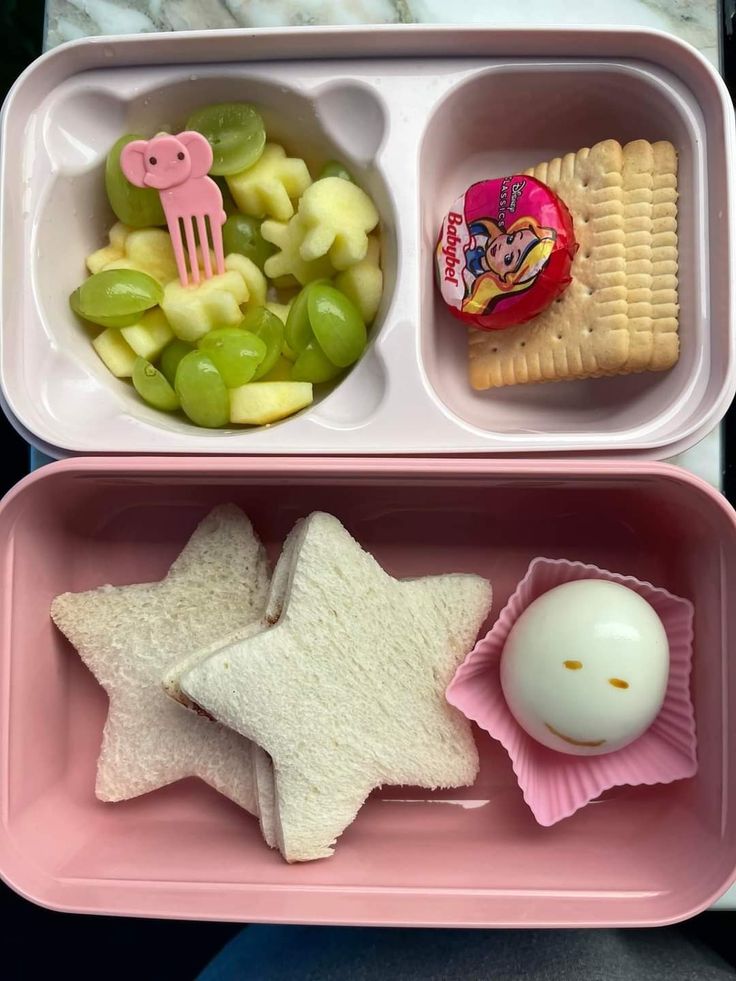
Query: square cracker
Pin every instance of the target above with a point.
(619, 314)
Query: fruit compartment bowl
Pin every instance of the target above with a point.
(470, 857)
(416, 126)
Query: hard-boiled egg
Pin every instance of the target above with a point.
(584, 669)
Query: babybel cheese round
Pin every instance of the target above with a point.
(504, 252)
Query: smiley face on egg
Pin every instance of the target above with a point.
(584, 669)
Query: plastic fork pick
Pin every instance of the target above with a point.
(177, 167)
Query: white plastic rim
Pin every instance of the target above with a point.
(416, 125)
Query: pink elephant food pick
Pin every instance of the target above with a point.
(177, 166)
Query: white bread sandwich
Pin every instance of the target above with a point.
(128, 636)
(346, 691)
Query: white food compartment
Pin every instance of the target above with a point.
(415, 129)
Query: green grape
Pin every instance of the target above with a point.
(313, 365)
(116, 297)
(266, 326)
(298, 327)
(337, 325)
(135, 206)
(287, 352)
(235, 353)
(333, 168)
(228, 204)
(171, 356)
(236, 133)
(153, 387)
(281, 372)
(202, 392)
(243, 234)
(298, 331)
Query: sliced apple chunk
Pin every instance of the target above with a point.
(258, 403)
(150, 335)
(114, 350)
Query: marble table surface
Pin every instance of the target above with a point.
(693, 20)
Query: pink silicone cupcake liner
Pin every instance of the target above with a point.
(555, 785)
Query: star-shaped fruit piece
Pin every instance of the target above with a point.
(97, 260)
(336, 216)
(129, 636)
(347, 691)
(148, 250)
(288, 238)
(252, 276)
(193, 311)
(363, 282)
(271, 185)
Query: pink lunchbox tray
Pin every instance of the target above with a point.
(475, 857)
(417, 113)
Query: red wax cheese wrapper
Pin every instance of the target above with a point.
(504, 252)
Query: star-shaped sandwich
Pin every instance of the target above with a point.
(130, 636)
(346, 691)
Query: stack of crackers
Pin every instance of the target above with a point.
(620, 313)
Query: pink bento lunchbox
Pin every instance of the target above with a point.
(399, 451)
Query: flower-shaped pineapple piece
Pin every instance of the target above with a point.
(288, 238)
(148, 250)
(363, 282)
(271, 185)
(336, 216)
(193, 311)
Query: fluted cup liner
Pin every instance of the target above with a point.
(555, 785)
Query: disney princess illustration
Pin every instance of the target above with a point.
(503, 262)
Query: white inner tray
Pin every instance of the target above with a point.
(415, 132)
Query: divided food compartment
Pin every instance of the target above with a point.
(471, 857)
(415, 131)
